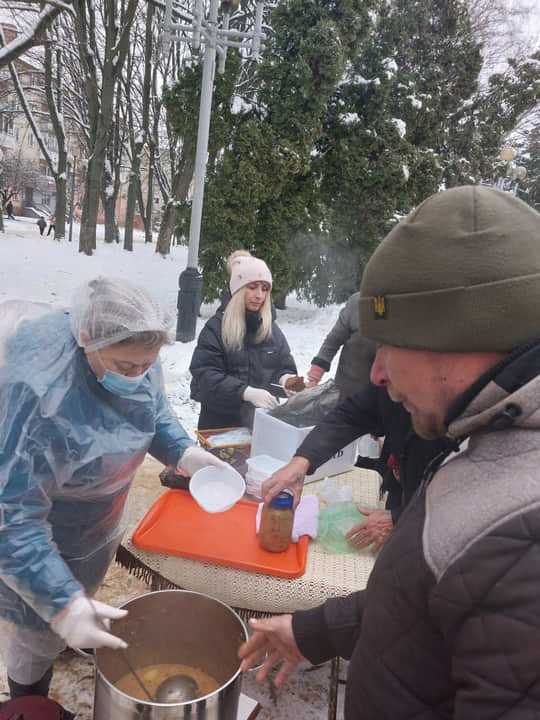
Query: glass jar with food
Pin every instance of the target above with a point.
(276, 523)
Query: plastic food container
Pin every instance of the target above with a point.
(217, 489)
(260, 468)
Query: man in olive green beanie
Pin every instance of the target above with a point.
(459, 274)
(449, 624)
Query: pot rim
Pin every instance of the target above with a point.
(152, 703)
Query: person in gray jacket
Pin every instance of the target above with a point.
(356, 357)
(449, 623)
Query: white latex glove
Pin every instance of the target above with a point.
(260, 398)
(83, 623)
(195, 458)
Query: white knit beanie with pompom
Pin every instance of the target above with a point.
(245, 270)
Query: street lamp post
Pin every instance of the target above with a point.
(216, 43)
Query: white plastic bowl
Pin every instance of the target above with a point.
(217, 489)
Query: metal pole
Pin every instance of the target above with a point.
(72, 199)
(190, 281)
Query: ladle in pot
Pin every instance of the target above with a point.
(123, 653)
(176, 689)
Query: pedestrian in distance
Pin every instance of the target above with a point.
(52, 225)
(9, 210)
(41, 224)
(82, 400)
(449, 623)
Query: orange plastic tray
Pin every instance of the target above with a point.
(176, 525)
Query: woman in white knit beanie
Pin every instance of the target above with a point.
(240, 351)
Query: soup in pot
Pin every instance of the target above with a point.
(153, 675)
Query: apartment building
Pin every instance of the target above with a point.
(24, 168)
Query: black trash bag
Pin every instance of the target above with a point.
(309, 406)
(33, 707)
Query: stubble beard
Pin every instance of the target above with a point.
(427, 426)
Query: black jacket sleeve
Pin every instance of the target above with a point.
(330, 629)
(212, 384)
(285, 362)
(357, 416)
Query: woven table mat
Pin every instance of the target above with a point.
(327, 574)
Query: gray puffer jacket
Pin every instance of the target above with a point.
(357, 355)
(449, 624)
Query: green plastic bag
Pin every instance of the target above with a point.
(334, 522)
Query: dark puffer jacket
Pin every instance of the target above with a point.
(449, 624)
(372, 411)
(220, 376)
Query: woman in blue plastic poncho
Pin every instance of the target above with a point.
(81, 402)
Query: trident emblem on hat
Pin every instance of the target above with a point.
(379, 306)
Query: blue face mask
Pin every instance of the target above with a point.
(121, 384)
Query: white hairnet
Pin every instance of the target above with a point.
(106, 311)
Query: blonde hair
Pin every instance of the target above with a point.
(233, 326)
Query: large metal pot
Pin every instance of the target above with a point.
(173, 626)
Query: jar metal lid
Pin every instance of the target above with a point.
(282, 500)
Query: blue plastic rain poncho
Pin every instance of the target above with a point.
(68, 452)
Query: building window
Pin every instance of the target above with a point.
(6, 124)
(31, 139)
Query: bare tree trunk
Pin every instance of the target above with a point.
(140, 140)
(179, 191)
(54, 93)
(111, 184)
(61, 205)
(100, 90)
(147, 216)
(112, 233)
(131, 198)
(168, 223)
(87, 236)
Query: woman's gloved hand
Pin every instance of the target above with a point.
(260, 398)
(83, 623)
(314, 375)
(195, 458)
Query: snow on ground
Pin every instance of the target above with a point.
(46, 270)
